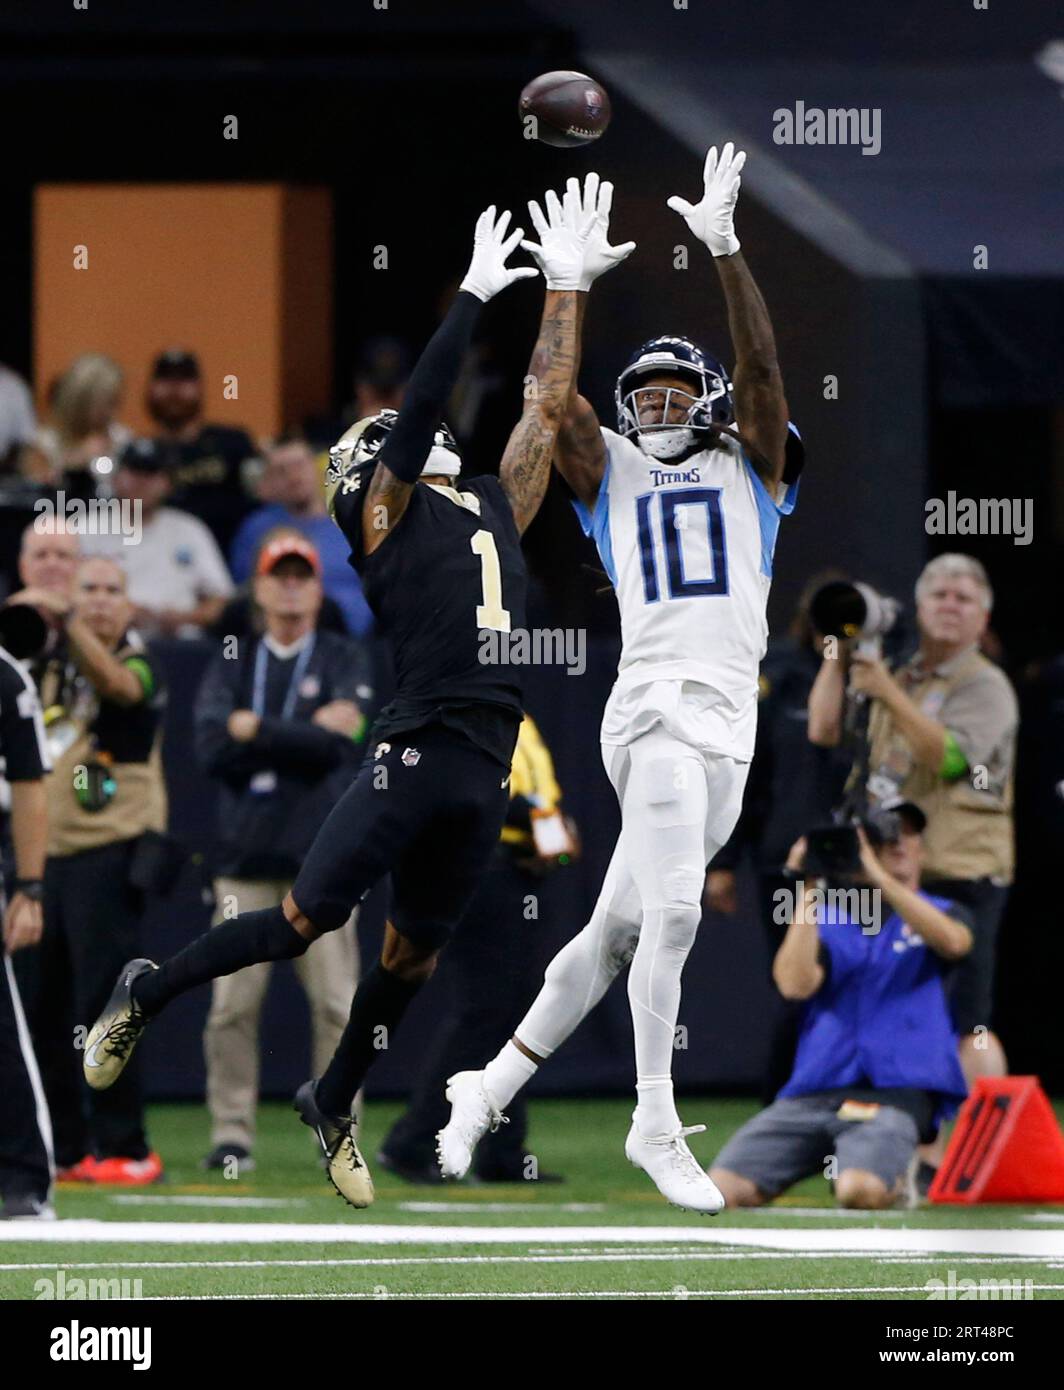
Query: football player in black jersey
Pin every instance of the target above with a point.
(440, 563)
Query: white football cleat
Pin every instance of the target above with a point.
(674, 1170)
(473, 1113)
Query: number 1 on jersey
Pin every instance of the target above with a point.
(490, 614)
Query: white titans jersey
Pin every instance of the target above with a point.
(688, 549)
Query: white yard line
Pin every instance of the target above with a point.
(583, 1257)
(677, 1295)
(472, 1208)
(1048, 1244)
(139, 1199)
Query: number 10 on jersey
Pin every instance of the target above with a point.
(661, 530)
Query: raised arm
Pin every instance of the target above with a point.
(403, 454)
(573, 252)
(581, 453)
(760, 405)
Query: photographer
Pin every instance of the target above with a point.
(105, 796)
(876, 1068)
(26, 1163)
(942, 733)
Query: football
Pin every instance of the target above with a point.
(564, 109)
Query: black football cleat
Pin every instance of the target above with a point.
(344, 1164)
(117, 1031)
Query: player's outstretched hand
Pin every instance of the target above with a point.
(712, 218)
(488, 272)
(565, 234)
(600, 256)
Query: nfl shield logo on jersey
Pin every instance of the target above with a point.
(411, 757)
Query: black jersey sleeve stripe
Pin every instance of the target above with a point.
(409, 440)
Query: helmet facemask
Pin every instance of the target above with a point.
(686, 416)
(681, 422)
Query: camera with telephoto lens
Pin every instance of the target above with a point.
(24, 631)
(854, 612)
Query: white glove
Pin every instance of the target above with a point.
(711, 219)
(564, 237)
(488, 272)
(600, 256)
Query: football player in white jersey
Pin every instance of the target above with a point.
(684, 501)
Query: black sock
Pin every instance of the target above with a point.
(246, 940)
(380, 1002)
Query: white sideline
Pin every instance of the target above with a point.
(1048, 1244)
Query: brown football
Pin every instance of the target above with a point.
(564, 109)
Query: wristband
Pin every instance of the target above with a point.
(32, 888)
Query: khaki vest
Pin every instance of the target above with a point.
(969, 824)
(139, 802)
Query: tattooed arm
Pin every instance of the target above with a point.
(573, 251)
(525, 467)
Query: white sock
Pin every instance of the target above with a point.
(655, 1113)
(507, 1073)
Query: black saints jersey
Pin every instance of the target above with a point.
(447, 588)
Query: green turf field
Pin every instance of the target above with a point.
(604, 1233)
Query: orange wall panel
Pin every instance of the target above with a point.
(205, 266)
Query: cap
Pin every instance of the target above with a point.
(877, 824)
(176, 364)
(281, 548)
(143, 456)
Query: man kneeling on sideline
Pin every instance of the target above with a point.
(876, 1069)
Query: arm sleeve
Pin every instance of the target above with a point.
(21, 727)
(218, 754)
(352, 678)
(408, 443)
(979, 715)
(301, 750)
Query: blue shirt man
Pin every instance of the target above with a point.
(877, 1063)
(293, 483)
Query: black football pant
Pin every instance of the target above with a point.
(92, 926)
(488, 976)
(25, 1130)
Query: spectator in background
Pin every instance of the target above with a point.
(77, 449)
(379, 378)
(292, 480)
(211, 465)
(280, 725)
(105, 795)
(942, 731)
(793, 786)
(18, 422)
(48, 558)
(178, 582)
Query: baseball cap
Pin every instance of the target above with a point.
(143, 456)
(878, 824)
(178, 364)
(281, 548)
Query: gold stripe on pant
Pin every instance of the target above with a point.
(328, 972)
